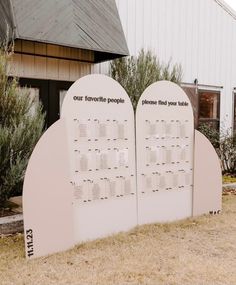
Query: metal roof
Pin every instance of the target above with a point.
(84, 24)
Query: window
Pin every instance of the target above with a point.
(33, 94)
(51, 93)
(209, 108)
(62, 94)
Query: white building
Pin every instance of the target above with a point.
(198, 34)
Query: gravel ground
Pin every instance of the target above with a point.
(198, 251)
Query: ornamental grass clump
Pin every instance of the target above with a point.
(21, 125)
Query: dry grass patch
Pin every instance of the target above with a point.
(198, 251)
(229, 179)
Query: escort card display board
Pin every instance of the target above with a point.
(80, 183)
(164, 146)
(100, 125)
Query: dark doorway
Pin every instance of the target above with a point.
(57, 91)
(51, 93)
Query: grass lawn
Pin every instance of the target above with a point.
(229, 179)
(199, 251)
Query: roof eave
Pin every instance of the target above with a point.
(99, 55)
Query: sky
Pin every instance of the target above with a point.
(231, 3)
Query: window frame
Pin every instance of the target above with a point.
(210, 120)
(48, 95)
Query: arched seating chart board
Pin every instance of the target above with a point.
(47, 195)
(100, 125)
(207, 195)
(164, 146)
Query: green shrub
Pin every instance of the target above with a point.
(227, 152)
(225, 144)
(135, 74)
(20, 129)
(211, 133)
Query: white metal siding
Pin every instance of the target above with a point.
(199, 34)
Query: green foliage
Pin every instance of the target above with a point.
(20, 129)
(225, 144)
(227, 152)
(135, 74)
(211, 133)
